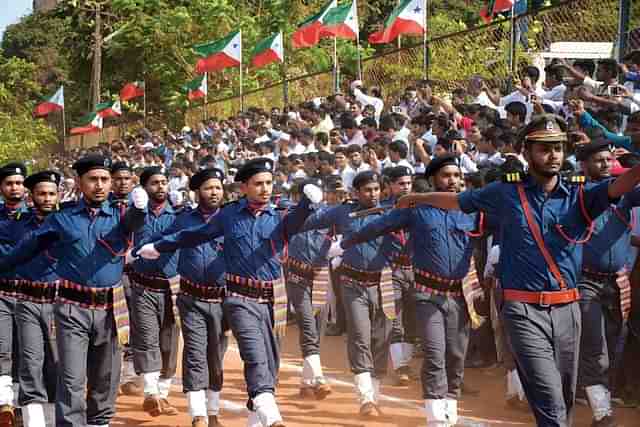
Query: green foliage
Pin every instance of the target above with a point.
(21, 137)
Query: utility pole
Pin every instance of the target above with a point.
(97, 60)
(623, 27)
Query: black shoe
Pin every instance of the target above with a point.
(333, 330)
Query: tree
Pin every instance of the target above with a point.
(21, 137)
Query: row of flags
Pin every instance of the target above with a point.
(331, 21)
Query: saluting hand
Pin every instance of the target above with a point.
(140, 198)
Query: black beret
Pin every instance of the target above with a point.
(203, 176)
(147, 173)
(120, 166)
(91, 162)
(439, 162)
(397, 172)
(584, 151)
(364, 178)
(549, 128)
(13, 168)
(44, 176)
(254, 167)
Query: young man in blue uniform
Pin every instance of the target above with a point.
(403, 326)
(12, 189)
(442, 246)
(606, 264)
(122, 179)
(256, 235)
(155, 343)
(364, 283)
(543, 217)
(38, 284)
(92, 237)
(202, 285)
(307, 281)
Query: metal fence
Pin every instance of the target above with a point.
(453, 58)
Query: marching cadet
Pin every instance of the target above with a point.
(12, 190)
(202, 285)
(442, 245)
(307, 280)
(401, 350)
(153, 283)
(366, 287)
(122, 179)
(90, 315)
(255, 303)
(543, 216)
(37, 287)
(604, 287)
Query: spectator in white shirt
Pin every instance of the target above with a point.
(359, 92)
(356, 165)
(398, 153)
(354, 134)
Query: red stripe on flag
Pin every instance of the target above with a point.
(400, 26)
(216, 62)
(45, 109)
(265, 58)
(307, 36)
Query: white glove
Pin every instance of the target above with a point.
(335, 262)
(313, 193)
(335, 250)
(176, 198)
(140, 198)
(129, 258)
(149, 251)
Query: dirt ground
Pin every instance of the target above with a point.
(401, 406)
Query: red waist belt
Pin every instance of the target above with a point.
(542, 298)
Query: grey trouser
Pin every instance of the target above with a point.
(252, 327)
(601, 328)
(127, 352)
(38, 352)
(8, 338)
(89, 355)
(368, 329)
(404, 325)
(205, 343)
(310, 327)
(445, 326)
(155, 345)
(545, 343)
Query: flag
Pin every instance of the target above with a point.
(89, 123)
(220, 54)
(341, 21)
(109, 109)
(308, 33)
(54, 103)
(132, 90)
(494, 7)
(196, 88)
(407, 18)
(268, 50)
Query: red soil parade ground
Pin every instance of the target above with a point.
(401, 406)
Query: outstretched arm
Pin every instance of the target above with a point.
(441, 200)
(393, 220)
(624, 183)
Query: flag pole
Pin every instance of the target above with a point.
(359, 58)
(512, 44)
(399, 37)
(283, 72)
(64, 129)
(144, 102)
(335, 65)
(204, 100)
(425, 46)
(241, 76)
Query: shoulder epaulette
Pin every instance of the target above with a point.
(512, 177)
(577, 179)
